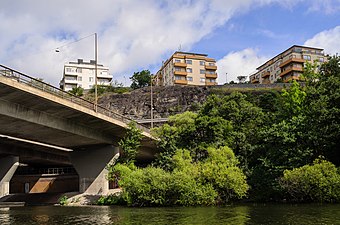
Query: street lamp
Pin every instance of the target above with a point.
(95, 66)
(151, 104)
(96, 71)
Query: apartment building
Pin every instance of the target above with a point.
(287, 65)
(185, 68)
(82, 74)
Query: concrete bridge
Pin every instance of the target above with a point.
(43, 125)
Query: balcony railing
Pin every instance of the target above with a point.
(266, 74)
(210, 67)
(297, 60)
(211, 75)
(291, 69)
(38, 84)
(180, 64)
(181, 82)
(181, 73)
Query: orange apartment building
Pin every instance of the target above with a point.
(287, 65)
(185, 68)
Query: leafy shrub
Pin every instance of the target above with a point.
(63, 200)
(112, 199)
(221, 171)
(318, 182)
(216, 180)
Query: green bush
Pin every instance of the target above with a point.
(112, 199)
(319, 182)
(216, 180)
(63, 200)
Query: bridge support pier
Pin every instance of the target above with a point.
(8, 166)
(90, 165)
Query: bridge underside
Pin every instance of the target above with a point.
(40, 129)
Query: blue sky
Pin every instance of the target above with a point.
(135, 35)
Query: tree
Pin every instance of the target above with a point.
(130, 144)
(77, 91)
(141, 79)
(317, 182)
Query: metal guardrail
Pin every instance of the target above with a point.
(38, 84)
(23, 170)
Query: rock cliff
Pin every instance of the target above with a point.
(167, 101)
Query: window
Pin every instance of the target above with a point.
(80, 78)
(189, 70)
(211, 64)
(79, 70)
(177, 60)
(188, 61)
(178, 69)
(68, 69)
(307, 57)
(321, 59)
(202, 63)
(202, 71)
(179, 78)
(90, 79)
(202, 80)
(189, 79)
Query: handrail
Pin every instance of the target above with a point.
(38, 84)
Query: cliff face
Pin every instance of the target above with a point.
(167, 101)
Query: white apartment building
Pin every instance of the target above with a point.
(185, 68)
(82, 74)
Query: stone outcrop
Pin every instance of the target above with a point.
(167, 101)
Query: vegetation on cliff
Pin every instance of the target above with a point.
(236, 146)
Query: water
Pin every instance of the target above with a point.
(239, 214)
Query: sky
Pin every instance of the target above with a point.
(134, 35)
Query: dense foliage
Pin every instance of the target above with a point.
(237, 144)
(140, 79)
(130, 144)
(217, 179)
(317, 182)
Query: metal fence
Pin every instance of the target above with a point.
(38, 84)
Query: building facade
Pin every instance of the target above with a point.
(82, 74)
(287, 65)
(185, 68)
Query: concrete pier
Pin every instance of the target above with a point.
(8, 166)
(90, 165)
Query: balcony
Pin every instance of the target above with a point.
(297, 60)
(180, 64)
(266, 74)
(181, 73)
(291, 69)
(213, 76)
(104, 75)
(182, 82)
(266, 81)
(208, 67)
(255, 81)
(210, 83)
(291, 78)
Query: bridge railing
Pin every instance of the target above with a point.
(36, 83)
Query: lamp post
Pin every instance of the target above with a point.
(96, 71)
(151, 104)
(95, 65)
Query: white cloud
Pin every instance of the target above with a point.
(241, 63)
(328, 40)
(132, 34)
(326, 6)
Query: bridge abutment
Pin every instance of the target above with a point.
(90, 165)
(8, 166)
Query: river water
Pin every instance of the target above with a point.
(237, 214)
